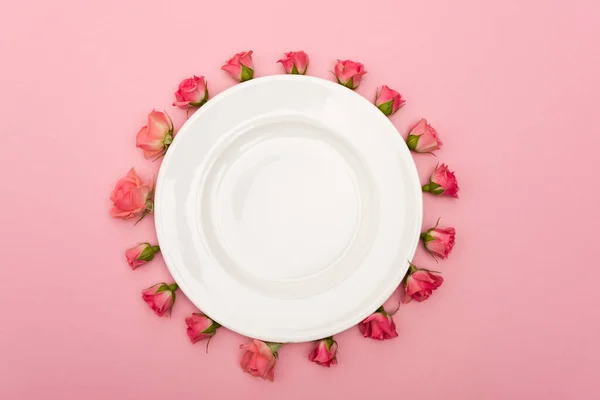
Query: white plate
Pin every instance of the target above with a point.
(287, 208)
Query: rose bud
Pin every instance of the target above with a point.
(131, 197)
(324, 352)
(200, 327)
(349, 73)
(442, 182)
(192, 93)
(388, 101)
(259, 359)
(439, 242)
(156, 137)
(141, 254)
(419, 283)
(160, 297)
(379, 325)
(422, 138)
(240, 66)
(295, 62)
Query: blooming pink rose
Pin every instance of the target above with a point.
(419, 283)
(388, 100)
(259, 359)
(324, 352)
(442, 181)
(141, 254)
(131, 197)
(200, 327)
(349, 73)
(422, 138)
(295, 62)
(156, 137)
(379, 325)
(240, 66)
(192, 93)
(160, 297)
(439, 242)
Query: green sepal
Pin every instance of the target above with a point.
(433, 188)
(426, 237)
(247, 74)
(197, 104)
(294, 70)
(350, 83)
(412, 141)
(148, 253)
(329, 342)
(274, 347)
(212, 329)
(163, 288)
(387, 108)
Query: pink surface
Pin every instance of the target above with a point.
(511, 86)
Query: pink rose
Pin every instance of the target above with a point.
(156, 137)
(200, 327)
(192, 93)
(419, 283)
(324, 352)
(295, 62)
(349, 73)
(141, 254)
(160, 297)
(442, 181)
(388, 100)
(422, 138)
(131, 197)
(259, 359)
(379, 325)
(439, 242)
(240, 66)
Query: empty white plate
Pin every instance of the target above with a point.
(287, 208)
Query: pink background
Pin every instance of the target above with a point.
(512, 87)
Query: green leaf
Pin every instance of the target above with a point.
(387, 108)
(247, 74)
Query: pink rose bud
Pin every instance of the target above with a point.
(200, 327)
(160, 297)
(439, 242)
(349, 73)
(422, 138)
(141, 254)
(156, 137)
(442, 182)
(240, 66)
(379, 325)
(259, 359)
(192, 93)
(295, 62)
(324, 352)
(388, 101)
(419, 283)
(131, 197)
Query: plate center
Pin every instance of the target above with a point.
(287, 206)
